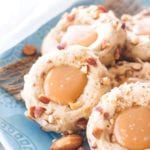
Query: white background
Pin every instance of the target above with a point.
(19, 18)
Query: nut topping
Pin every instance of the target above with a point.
(91, 61)
(99, 109)
(69, 142)
(44, 99)
(137, 66)
(106, 115)
(81, 123)
(29, 50)
(71, 17)
(36, 112)
(97, 132)
(75, 105)
(61, 46)
(102, 8)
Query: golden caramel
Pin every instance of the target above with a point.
(64, 84)
(79, 34)
(132, 128)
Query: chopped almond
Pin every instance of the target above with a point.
(97, 132)
(91, 61)
(29, 50)
(36, 112)
(44, 99)
(102, 8)
(81, 123)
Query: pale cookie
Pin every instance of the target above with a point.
(121, 119)
(138, 35)
(62, 87)
(93, 27)
(129, 72)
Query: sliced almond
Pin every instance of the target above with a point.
(97, 132)
(75, 105)
(44, 99)
(69, 142)
(137, 66)
(51, 119)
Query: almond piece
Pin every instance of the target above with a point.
(136, 66)
(99, 109)
(91, 61)
(102, 8)
(97, 132)
(106, 115)
(29, 50)
(75, 105)
(81, 123)
(44, 99)
(36, 112)
(69, 142)
(61, 46)
(71, 17)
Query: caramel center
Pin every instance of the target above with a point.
(132, 128)
(79, 34)
(64, 84)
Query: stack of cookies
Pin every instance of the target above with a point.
(94, 74)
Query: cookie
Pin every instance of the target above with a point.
(121, 119)
(138, 33)
(129, 72)
(92, 27)
(62, 87)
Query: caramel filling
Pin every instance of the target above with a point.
(132, 128)
(79, 34)
(64, 84)
(142, 27)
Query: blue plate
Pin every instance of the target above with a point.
(16, 131)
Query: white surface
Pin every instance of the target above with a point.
(20, 18)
